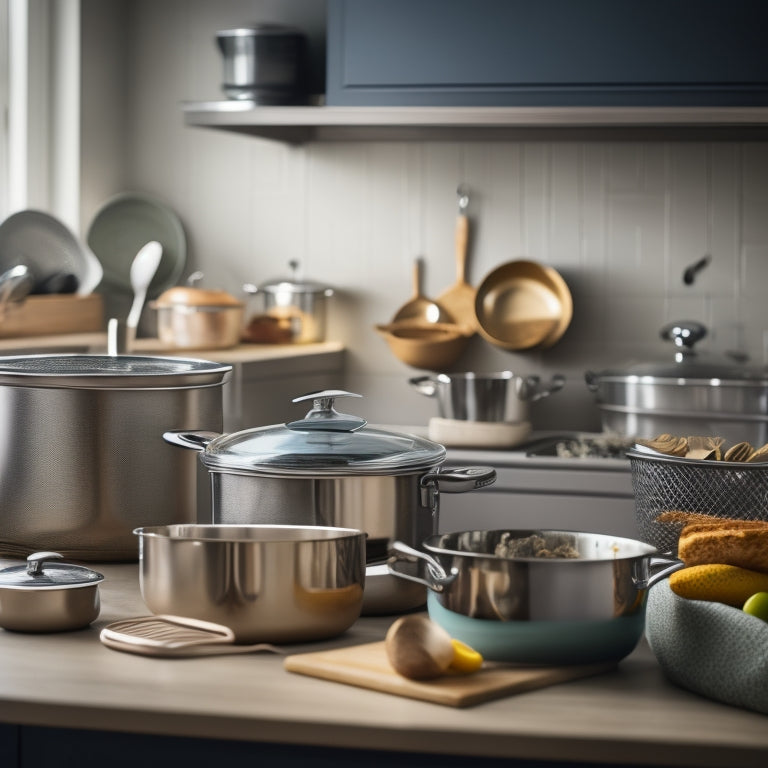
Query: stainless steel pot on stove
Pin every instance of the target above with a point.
(689, 394)
(82, 460)
(330, 469)
(486, 397)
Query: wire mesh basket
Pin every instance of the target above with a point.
(721, 489)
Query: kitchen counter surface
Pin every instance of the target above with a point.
(97, 343)
(631, 715)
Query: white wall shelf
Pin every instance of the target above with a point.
(300, 124)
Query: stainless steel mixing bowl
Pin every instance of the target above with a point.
(267, 583)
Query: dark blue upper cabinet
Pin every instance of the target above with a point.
(547, 52)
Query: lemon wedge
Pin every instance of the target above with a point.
(465, 659)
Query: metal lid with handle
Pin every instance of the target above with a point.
(325, 441)
(43, 572)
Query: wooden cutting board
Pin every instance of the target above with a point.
(367, 666)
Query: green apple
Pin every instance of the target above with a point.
(757, 605)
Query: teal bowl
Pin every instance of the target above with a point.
(543, 642)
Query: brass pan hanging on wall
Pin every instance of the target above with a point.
(522, 304)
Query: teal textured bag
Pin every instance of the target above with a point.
(709, 648)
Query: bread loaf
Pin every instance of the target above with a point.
(741, 543)
(686, 518)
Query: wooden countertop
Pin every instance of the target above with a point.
(630, 715)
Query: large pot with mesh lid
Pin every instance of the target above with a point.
(82, 459)
(331, 469)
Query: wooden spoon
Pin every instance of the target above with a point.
(420, 307)
(459, 299)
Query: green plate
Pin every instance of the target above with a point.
(122, 226)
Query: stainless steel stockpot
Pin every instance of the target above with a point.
(486, 397)
(47, 596)
(82, 459)
(688, 394)
(329, 468)
(276, 584)
(490, 589)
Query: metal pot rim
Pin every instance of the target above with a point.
(83, 371)
(290, 533)
(678, 381)
(643, 549)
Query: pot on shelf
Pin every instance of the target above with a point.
(197, 318)
(330, 469)
(82, 461)
(294, 311)
(688, 394)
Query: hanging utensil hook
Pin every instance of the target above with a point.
(463, 194)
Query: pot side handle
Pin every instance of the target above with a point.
(592, 381)
(655, 569)
(436, 578)
(460, 479)
(534, 389)
(196, 441)
(426, 385)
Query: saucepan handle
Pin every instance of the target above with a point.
(534, 389)
(424, 384)
(436, 578)
(652, 570)
(460, 479)
(196, 441)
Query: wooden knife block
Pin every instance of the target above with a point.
(53, 314)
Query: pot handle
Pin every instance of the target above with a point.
(426, 385)
(437, 579)
(653, 570)
(592, 381)
(534, 389)
(459, 479)
(197, 441)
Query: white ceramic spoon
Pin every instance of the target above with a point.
(143, 269)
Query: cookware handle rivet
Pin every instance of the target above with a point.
(36, 560)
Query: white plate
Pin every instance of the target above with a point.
(47, 246)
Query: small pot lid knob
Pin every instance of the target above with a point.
(684, 334)
(324, 416)
(36, 561)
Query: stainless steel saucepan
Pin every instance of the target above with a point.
(548, 596)
(487, 397)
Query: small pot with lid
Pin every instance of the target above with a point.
(689, 394)
(48, 596)
(330, 469)
(294, 311)
(189, 317)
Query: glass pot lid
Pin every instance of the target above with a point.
(323, 442)
(43, 572)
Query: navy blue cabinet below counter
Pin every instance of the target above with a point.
(547, 53)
